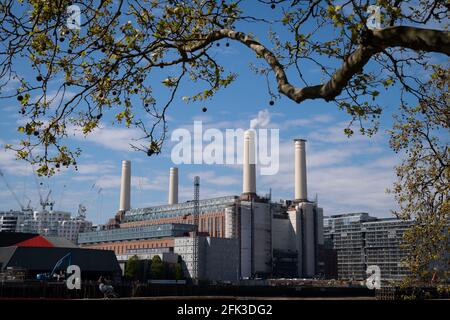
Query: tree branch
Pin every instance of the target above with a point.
(372, 42)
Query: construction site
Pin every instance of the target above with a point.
(44, 220)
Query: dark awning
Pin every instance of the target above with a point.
(44, 259)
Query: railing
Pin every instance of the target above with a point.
(90, 290)
(47, 290)
(414, 293)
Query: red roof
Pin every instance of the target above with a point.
(38, 241)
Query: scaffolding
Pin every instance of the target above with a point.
(344, 231)
(360, 240)
(385, 247)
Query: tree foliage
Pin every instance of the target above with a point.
(423, 186)
(157, 268)
(163, 270)
(177, 272)
(111, 63)
(132, 268)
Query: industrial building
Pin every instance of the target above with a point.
(360, 240)
(226, 238)
(209, 259)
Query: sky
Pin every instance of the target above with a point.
(346, 174)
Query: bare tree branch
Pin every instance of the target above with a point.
(372, 43)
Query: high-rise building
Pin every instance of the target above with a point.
(43, 222)
(345, 232)
(360, 240)
(8, 220)
(384, 246)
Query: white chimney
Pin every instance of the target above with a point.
(125, 186)
(173, 186)
(249, 163)
(300, 170)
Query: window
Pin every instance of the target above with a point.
(218, 226)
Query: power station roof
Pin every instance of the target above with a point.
(179, 209)
(135, 233)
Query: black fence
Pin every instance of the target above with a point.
(47, 290)
(418, 293)
(90, 290)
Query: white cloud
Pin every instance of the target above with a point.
(349, 174)
(111, 181)
(341, 188)
(187, 193)
(96, 168)
(59, 97)
(11, 166)
(307, 122)
(335, 134)
(210, 177)
(9, 84)
(262, 120)
(209, 122)
(202, 117)
(117, 139)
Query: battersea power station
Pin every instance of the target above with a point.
(228, 238)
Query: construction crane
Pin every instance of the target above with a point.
(46, 202)
(11, 190)
(43, 202)
(81, 211)
(196, 228)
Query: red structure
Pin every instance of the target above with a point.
(32, 240)
(37, 241)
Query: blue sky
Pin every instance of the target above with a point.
(348, 175)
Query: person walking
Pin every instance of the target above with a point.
(106, 289)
